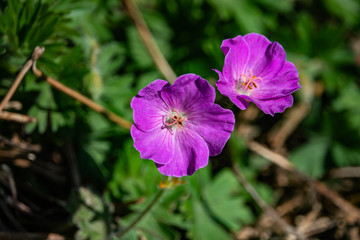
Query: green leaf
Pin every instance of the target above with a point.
(157, 223)
(41, 111)
(97, 150)
(345, 156)
(282, 6)
(137, 49)
(2, 23)
(146, 78)
(136, 177)
(225, 204)
(348, 10)
(41, 120)
(348, 103)
(117, 95)
(310, 157)
(38, 36)
(92, 217)
(111, 58)
(245, 13)
(204, 227)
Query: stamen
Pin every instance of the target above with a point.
(177, 119)
(247, 82)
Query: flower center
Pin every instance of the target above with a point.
(175, 118)
(247, 82)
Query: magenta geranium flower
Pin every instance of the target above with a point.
(179, 126)
(256, 70)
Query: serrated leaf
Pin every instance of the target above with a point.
(204, 227)
(135, 176)
(111, 58)
(310, 157)
(137, 49)
(57, 120)
(41, 111)
(157, 223)
(117, 95)
(224, 204)
(92, 217)
(46, 98)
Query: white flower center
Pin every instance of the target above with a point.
(175, 118)
(246, 83)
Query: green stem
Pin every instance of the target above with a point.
(142, 214)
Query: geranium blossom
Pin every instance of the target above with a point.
(256, 70)
(179, 126)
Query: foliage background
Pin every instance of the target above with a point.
(93, 47)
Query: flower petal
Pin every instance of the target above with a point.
(237, 53)
(148, 106)
(240, 101)
(275, 105)
(188, 92)
(157, 145)
(228, 89)
(272, 62)
(228, 43)
(225, 87)
(268, 78)
(190, 153)
(284, 83)
(266, 59)
(214, 124)
(258, 45)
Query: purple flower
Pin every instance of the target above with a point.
(256, 70)
(179, 126)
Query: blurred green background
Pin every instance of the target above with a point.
(93, 47)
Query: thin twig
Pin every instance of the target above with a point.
(14, 105)
(142, 214)
(88, 102)
(352, 212)
(291, 121)
(345, 172)
(270, 155)
(20, 77)
(21, 145)
(149, 41)
(30, 236)
(16, 117)
(289, 230)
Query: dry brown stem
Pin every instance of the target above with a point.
(291, 121)
(16, 117)
(352, 213)
(37, 52)
(345, 172)
(87, 101)
(285, 227)
(20, 144)
(30, 236)
(149, 41)
(270, 155)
